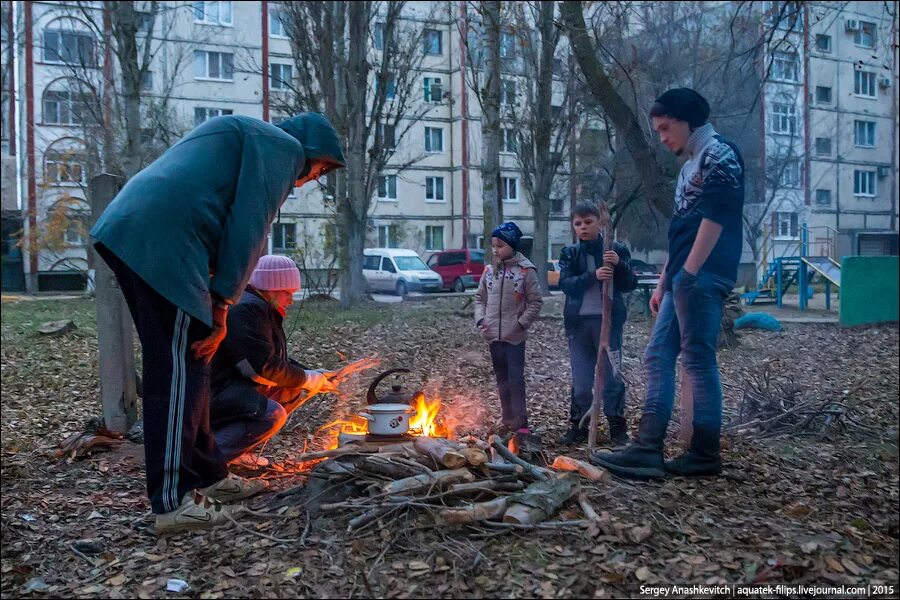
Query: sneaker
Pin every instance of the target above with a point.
(250, 461)
(575, 435)
(234, 488)
(195, 512)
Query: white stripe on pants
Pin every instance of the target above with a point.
(172, 463)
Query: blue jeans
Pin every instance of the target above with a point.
(584, 344)
(240, 437)
(689, 320)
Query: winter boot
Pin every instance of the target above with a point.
(618, 432)
(702, 458)
(575, 435)
(643, 458)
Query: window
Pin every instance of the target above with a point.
(823, 42)
(823, 146)
(390, 88)
(378, 31)
(280, 76)
(147, 81)
(371, 263)
(64, 167)
(284, 236)
(823, 197)
(388, 237)
(144, 21)
(785, 66)
(863, 183)
(507, 44)
(865, 35)
(786, 224)
(213, 65)
(434, 189)
(508, 140)
(434, 237)
(212, 13)
(75, 230)
(387, 187)
(276, 22)
(790, 174)
(64, 106)
(434, 139)
(864, 84)
(434, 90)
(386, 265)
(864, 134)
(784, 118)
(509, 189)
(823, 94)
(433, 42)
(70, 47)
(204, 113)
(507, 92)
(388, 136)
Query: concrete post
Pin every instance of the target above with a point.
(114, 329)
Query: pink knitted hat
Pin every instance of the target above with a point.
(275, 272)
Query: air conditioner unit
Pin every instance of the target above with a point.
(884, 82)
(851, 25)
(884, 171)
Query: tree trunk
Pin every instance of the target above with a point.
(125, 28)
(658, 185)
(490, 125)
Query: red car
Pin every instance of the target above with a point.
(459, 269)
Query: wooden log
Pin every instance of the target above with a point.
(536, 471)
(368, 516)
(504, 467)
(383, 465)
(475, 456)
(586, 507)
(411, 485)
(348, 449)
(541, 500)
(443, 452)
(491, 485)
(566, 463)
(473, 513)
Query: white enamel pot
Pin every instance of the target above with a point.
(388, 419)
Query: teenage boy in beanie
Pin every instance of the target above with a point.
(507, 302)
(255, 385)
(582, 270)
(705, 238)
(182, 238)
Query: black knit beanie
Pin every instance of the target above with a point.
(683, 104)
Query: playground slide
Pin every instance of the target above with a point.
(826, 267)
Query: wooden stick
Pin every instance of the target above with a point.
(348, 449)
(424, 481)
(505, 468)
(480, 511)
(541, 500)
(534, 470)
(443, 452)
(565, 463)
(586, 507)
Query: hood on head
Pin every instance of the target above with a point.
(317, 136)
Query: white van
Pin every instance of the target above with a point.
(398, 270)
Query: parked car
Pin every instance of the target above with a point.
(642, 268)
(398, 270)
(459, 269)
(553, 273)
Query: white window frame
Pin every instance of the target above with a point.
(780, 62)
(830, 94)
(818, 202)
(428, 85)
(391, 91)
(860, 77)
(384, 139)
(791, 166)
(862, 132)
(859, 33)
(436, 183)
(430, 231)
(385, 183)
(440, 41)
(57, 158)
(202, 12)
(291, 228)
(279, 83)
(824, 36)
(73, 104)
(77, 224)
(861, 179)
(430, 134)
(790, 221)
(507, 134)
(384, 233)
(207, 57)
(275, 22)
(507, 84)
(508, 44)
(60, 50)
(784, 118)
(818, 153)
(209, 112)
(507, 185)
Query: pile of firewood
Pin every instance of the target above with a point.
(467, 481)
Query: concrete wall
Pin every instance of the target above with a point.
(869, 290)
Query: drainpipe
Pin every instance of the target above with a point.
(10, 30)
(265, 59)
(806, 112)
(464, 121)
(31, 206)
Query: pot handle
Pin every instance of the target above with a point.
(366, 416)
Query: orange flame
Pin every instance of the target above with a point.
(424, 422)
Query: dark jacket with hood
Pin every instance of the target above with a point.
(252, 360)
(194, 222)
(575, 279)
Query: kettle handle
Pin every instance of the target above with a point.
(371, 397)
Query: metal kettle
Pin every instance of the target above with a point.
(397, 395)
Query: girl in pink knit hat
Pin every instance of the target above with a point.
(255, 384)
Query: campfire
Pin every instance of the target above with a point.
(399, 456)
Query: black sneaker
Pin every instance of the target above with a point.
(575, 435)
(618, 432)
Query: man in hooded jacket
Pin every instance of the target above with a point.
(182, 238)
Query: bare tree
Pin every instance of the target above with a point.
(492, 201)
